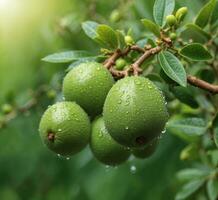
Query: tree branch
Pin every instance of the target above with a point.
(136, 65)
(202, 84)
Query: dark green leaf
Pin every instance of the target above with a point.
(90, 27)
(196, 33)
(161, 9)
(107, 36)
(152, 27)
(212, 189)
(190, 174)
(172, 67)
(189, 188)
(215, 130)
(65, 57)
(205, 13)
(185, 96)
(214, 16)
(195, 51)
(188, 129)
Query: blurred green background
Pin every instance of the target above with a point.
(29, 30)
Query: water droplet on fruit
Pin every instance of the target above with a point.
(100, 135)
(98, 68)
(133, 169)
(67, 158)
(126, 127)
(164, 131)
(59, 130)
(127, 112)
(119, 102)
(59, 155)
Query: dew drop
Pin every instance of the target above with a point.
(59, 155)
(59, 130)
(126, 127)
(133, 169)
(67, 158)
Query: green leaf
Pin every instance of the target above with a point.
(212, 189)
(196, 33)
(90, 27)
(161, 9)
(192, 173)
(65, 57)
(107, 36)
(196, 52)
(205, 14)
(215, 130)
(214, 16)
(185, 96)
(151, 26)
(188, 129)
(173, 67)
(189, 188)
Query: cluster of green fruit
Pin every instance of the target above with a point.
(127, 116)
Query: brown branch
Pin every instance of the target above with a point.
(136, 65)
(202, 84)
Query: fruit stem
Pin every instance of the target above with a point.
(51, 137)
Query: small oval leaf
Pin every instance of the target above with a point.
(205, 14)
(173, 67)
(212, 189)
(189, 188)
(151, 26)
(188, 129)
(107, 36)
(65, 57)
(161, 9)
(90, 27)
(196, 52)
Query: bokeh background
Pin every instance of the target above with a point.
(29, 30)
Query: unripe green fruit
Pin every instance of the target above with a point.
(115, 16)
(120, 64)
(134, 111)
(171, 20)
(51, 94)
(88, 85)
(6, 108)
(173, 36)
(65, 128)
(129, 40)
(146, 151)
(181, 13)
(104, 147)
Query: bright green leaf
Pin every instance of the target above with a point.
(212, 189)
(189, 188)
(107, 36)
(90, 27)
(188, 129)
(161, 9)
(151, 26)
(192, 173)
(172, 67)
(205, 14)
(214, 16)
(185, 96)
(195, 51)
(65, 57)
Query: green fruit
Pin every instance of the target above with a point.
(171, 20)
(104, 147)
(65, 128)
(173, 36)
(115, 16)
(129, 40)
(120, 64)
(181, 13)
(88, 85)
(135, 111)
(6, 108)
(146, 151)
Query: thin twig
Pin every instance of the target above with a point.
(202, 84)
